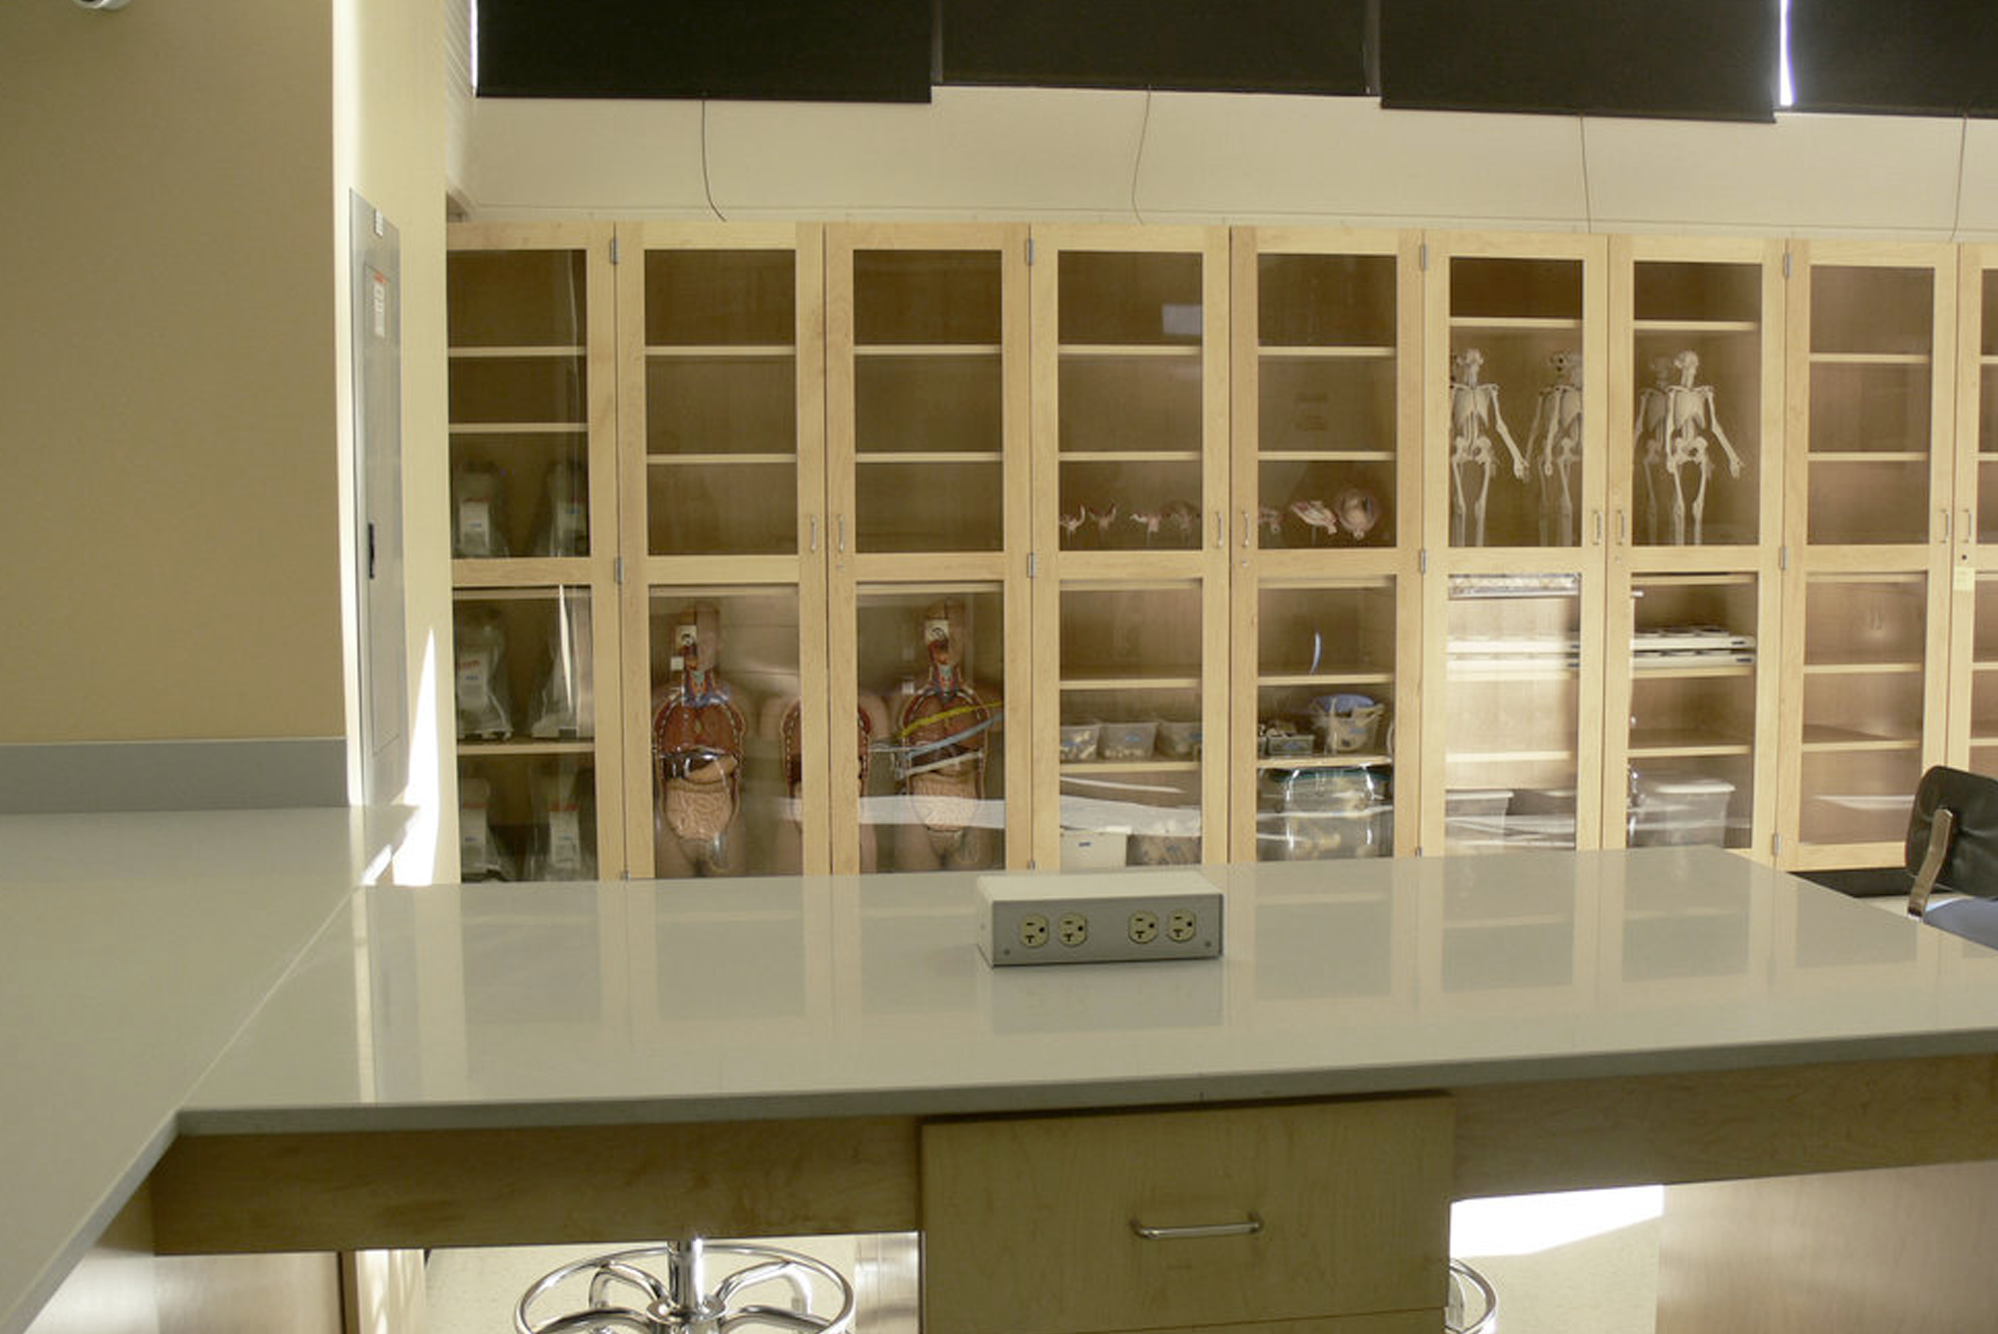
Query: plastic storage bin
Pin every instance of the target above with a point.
(1093, 849)
(1078, 741)
(1328, 813)
(1127, 741)
(1669, 809)
(1476, 816)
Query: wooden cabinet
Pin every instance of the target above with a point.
(1867, 523)
(1074, 546)
(927, 419)
(1325, 536)
(1514, 446)
(533, 519)
(1130, 499)
(1695, 494)
(1226, 1216)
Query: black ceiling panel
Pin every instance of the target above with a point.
(801, 50)
(1293, 46)
(1935, 57)
(1694, 59)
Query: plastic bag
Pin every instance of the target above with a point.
(563, 526)
(478, 512)
(484, 713)
(565, 703)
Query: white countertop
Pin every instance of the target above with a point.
(133, 947)
(130, 997)
(569, 1004)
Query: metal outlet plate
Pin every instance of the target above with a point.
(1113, 917)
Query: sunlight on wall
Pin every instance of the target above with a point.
(1529, 1224)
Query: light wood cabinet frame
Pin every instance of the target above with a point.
(1055, 569)
(1803, 560)
(597, 572)
(1440, 560)
(850, 570)
(1972, 561)
(1251, 564)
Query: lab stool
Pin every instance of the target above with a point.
(681, 1302)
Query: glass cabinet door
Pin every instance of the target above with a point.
(1323, 543)
(1861, 714)
(1867, 593)
(525, 675)
(532, 505)
(1130, 407)
(1513, 686)
(927, 411)
(1973, 704)
(1516, 397)
(722, 425)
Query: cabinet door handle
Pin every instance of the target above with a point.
(1598, 517)
(1622, 531)
(839, 530)
(1969, 533)
(1220, 528)
(1945, 524)
(812, 542)
(1248, 531)
(1246, 1228)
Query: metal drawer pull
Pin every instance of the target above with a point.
(1247, 1227)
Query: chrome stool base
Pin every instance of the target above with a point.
(677, 1300)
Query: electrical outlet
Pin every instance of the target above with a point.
(1112, 916)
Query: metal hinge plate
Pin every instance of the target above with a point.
(613, 250)
(1030, 252)
(617, 570)
(1033, 565)
(1422, 256)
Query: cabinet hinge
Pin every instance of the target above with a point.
(1030, 864)
(1422, 560)
(1032, 565)
(371, 550)
(1422, 256)
(617, 570)
(1783, 557)
(1786, 265)
(1030, 252)
(613, 250)
(1775, 845)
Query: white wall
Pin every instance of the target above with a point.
(1208, 157)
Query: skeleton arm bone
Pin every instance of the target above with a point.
(1489, 394)
(1713, 420)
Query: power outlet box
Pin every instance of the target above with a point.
(1112, 917)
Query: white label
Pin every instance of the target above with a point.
(474, 525)
(472, 689)
(379, 291)
(1966, 579)
(565, 842)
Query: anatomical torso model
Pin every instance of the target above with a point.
(942, 732)
(697, 742)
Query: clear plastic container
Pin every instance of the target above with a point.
(1078, 741)
(1678, 809)
(1127, 741)
(1475, 817)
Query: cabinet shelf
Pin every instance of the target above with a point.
(1340, 760)
(720, 351)
(1694, 326)
(1328, 677)
(1687, 743)
(1312, 352)
(571, 746)
(1326, 455)
(1870, 358)
(1822, 737)
(1130, 683)
(1884, 667)
(1564, 756)
(1152, 766)
(1516, 323)
(527, 576)
(515, 353)
(519, 428)
(1868, 456)
(1499, 672)
(1667, 671)
(715, 460)
(927, 350)
(932, 456)
(1130, 456)
(1184, 350)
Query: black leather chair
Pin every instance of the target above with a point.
(1953, 846)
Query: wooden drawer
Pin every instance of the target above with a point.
(1028, 1223)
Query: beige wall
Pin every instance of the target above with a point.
(168, 469)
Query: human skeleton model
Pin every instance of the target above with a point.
(784, 722)
(940, 739)
(1652, 429)
(697, 742)
(1690, 414)
(1555, 443)
(1474, 410)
